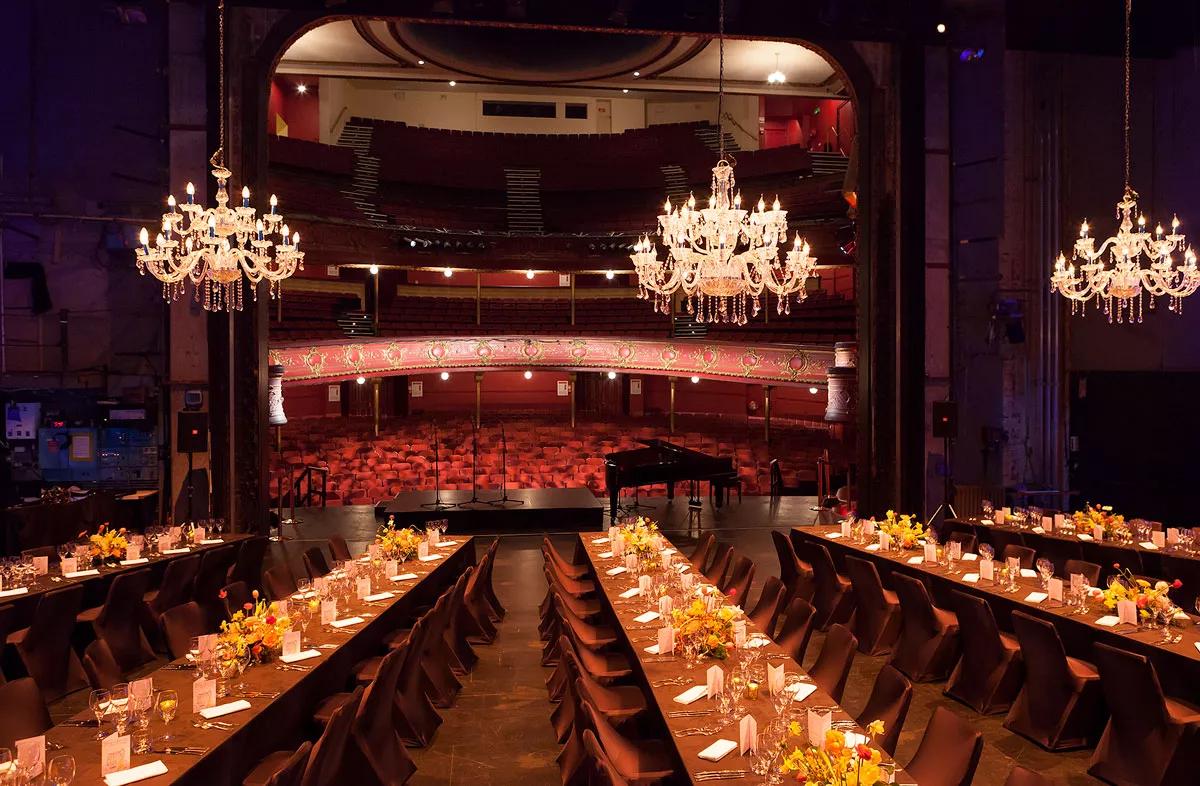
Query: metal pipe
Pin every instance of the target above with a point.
(671, 418)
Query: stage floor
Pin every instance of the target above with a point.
(540, 509)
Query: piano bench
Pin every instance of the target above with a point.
(721, 484)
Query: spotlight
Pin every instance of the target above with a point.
(695, 380)
(529, 274)
(612, 375)
(812, 390)
(609, 275)
(637, 73)
(374, 270)
(301, 88)
(361, 380)
(420, 62)
(447, 272)
(412, 244)
(528, 375)
(453, 83)
(625, 90)
(941, 27)
(445, 375)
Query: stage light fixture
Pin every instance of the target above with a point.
(412, 244)
(528, 375)
(447, 272)
(420, 62)
(812, 390)
(609, 275)
(695, 380)
(637, 73)
(612, 375)
(301, 88)
(374, 270)
(941, 27)
(445, 375)
(361, 380)
(625, 90)
(453, 83)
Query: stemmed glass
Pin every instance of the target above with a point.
(989, 510)
(98, 704)
(1045, 570)
(168, 706)
(61, 770)
(987, 551)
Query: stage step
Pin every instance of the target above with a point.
(364, 183)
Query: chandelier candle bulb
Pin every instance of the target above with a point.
(191, 192)
(245, 196)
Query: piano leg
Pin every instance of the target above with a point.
(670, 489)
(694, 500)
(614, 498)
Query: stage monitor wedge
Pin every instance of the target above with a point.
(192, 432)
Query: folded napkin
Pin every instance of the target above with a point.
(211, 541)
(135, 774)
(302, 655)
(617, 570)
(305, 595)
(1198, 645)
(446, 543)
(404, 577)
(803, 690)
(379, 596)
(605, 555)
(757, 640)
(1028, 573)
(1036, 597)
(971, 578)
(430, 557)
(969, 557)
(833, 535)
(225, 709)
(598, 541)
(873, 547)
(651, 650)
(346, 622)
(139, 561)
(632, 592)
(183, 550)
(683, 567)
(775, 677)
(716, 681)
(694, 693)
(915, 560)
(1108, 620)
(649, 616)
(1084, 536)
(1038, 530)
(718, 750)
(1148, 545)
(11, 592)
(75, 574)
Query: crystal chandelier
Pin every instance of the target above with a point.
(213, 247)
(1138, 261)
(722, 257)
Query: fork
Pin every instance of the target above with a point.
(720, 775)
(218, 725)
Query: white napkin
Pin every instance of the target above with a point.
(617, 571)
(1109, 621)
(748, 735)
(775, 677)
(211, 541)
(378, 596)
(718, 750)
(598, 541)
(971, 578)
(302, 655)
(605, 555)
(833, 535)
(181, 550)
(11, 592)
(632, 593)
(305, 595)
(346, 622)
(802, 691)
(1028, 573)
(1039, 530)
(1148, 545)
(138, 561)
(404, 577)
(873, 547)
(225, 709)
(430, 557)
(442, 544)
(649, 616)
(915, 560)
(1084, 536)
(716, 681)
(969, 556)
(653, 649)
(135, 774)
(694, 693)
(75, 574)
(1036, 597)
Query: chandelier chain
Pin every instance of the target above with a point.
(218, 158)
(720, 74)
(1128, 87)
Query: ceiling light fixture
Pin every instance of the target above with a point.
(528, 375)
(445, 375)
(695, 380)
(941, 27)
(609, 275)
(612, 375)
(453, 83)
(447, 272)
(361, 380)
(301, 88)
(637, 73)
(1115, 272)
(776, 77)
(374, 269)
(420, 62)
(215, 247)
(813, 390)
(722, 257)
(529, 274)
(625, 90)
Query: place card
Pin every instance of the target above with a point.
(747, 735)
(68, 565)
(1054, 588)
(915, 560)
(605, 555)
(739, 633)
(971, 578)
(649, 616)
(31, 755)
(885, 541)
(775, 678)
(632, 592)
(204, 695)
(665, 604)
(617, 571)
(328, 611)
(114, 754)
(1035, 597)
(694, 693)
(1059, 520)
(969, 556)
(1150, 545)
(718, 750)
(225, 709)
(645, 583)
(1108, 621)
(931, 553)
(1026, 573)
(291, 643)
(845, 524)
(715, 678)
(987, 570)
(404, 577)
(819, 723)
(1127, 612)
(41, 565)
(299, 656)
(1097, 532)
(78, 574)
(1084, 536)
(1172, 535)
(666, 640)
(362, 588)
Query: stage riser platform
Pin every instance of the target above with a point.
(553, 510)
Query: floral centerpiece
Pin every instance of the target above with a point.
(1113, 524)
(399, 543)
(255, 632)
(107, 544)
(641, 536)
(55, 495)
(1152, 600)
(711, 632)
(904, 529)
(838, 762)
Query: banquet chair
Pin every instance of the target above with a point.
(767, 610)
(876, 621)
(890, 698)
(573, 569)
(1106, 556)
(566, 703)
(45, 646)
(25, 714)
(704, 551)
(1061, 706)
(279, 582)
(1089, 570)
(374, 731)
(796, 574)
(114, 623)
(619, 703)
(181, 624)
(1150, 738)
(100, 666)
(948, 753)
(737, 582)
(314, 562)
(339, 549)
(247, 566)
(722, 557)
(477, 621)
(286, 768)
(1021, 776)
(606, 773)
(212, 576)
(1001, 538)
(235, 596)
(646, 761)
(832, 667)
(1023, 553)
(589, 635)
(49, 552)
(456, 630)
(989, 671)
(487, 566)
(929, 636)
(324, 766)
(832, 597)
(178, 586)
(796, 629)
(572, 760)
(588, 609)
(606, 667)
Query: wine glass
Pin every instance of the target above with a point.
(987, 551)
(168, 707)
(61, 770)
(1045, 569)
(989, 510)
(98, 704)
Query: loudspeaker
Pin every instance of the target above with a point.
(945, 419)
(193, 432)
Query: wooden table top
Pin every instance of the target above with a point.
(252, 724)
(1072, 536)
(654, 668)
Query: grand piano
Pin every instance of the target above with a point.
(662, 462)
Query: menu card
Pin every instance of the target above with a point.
(1127, 612)
(931, 553)
(1097, 532)
(885, 541)
(31, 755)
(665, 604)
(68, 565)
(1059, 520)
(686, 581)
(666, 640)
(423, 549)
(845, 528)
(328, 611)
(291, 643)
(819, 723)
(362, 587)
(1172, 535)
(1054, 588)
(41, 565)
(204, 695)
(987, 570)
(748, 735)
(114, 752)
(1047, 523)
(645, 583)
(666, 559)
(715, 677)
(1158, 538)
(391, 567)
(775, 677)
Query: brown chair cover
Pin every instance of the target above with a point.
(181, 624)
(832, 667)
(767, 610)
(572, 760)
(737, 582)
(178, 586)
(375, 730)
(457, 630)
(606, 667)
(45, 646)
(789, 563)
(412, 698)
(566, 710)
(796, 629)
(646, 761)
(212, 576)
(436, 656)
(1061, 706)
(487, 566)
(948, 753)
(989, 673)
(1025, 554)
(100, 666)
(876, 610)
(619, 703)
(235, 597)
(832, 598)
(279, 582)
(606, 772)
(314, 562)
(1023, 777)
(889, 701)
(928, 645)
(25, 713)
(281, 768)
(119, 628)
(1089, 570)
(326, 763)
(7, 614)
(722, 557)
(591, 636)
(474, 617)
(339, 549)
(247, 566)
(806, 586)
(565, 567)
(704, 551)
(49, 552)
(1150, 738)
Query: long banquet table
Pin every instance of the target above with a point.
(272, 723)
(1178, 664)
(651, 669)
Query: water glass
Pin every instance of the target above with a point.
(98, 704)
(60, 771)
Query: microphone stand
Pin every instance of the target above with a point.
(504, 498)
(474, 500)
(437, 503)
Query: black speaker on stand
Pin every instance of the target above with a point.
(945, 425)
(191, 429)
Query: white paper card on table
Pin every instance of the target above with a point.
(404, 577)
(1059, 520)
(915, 560)
(617, 571)
(819, 723)
(1054, 588)
(987, 569)
(715, 677)
(1039, 530)
(1098, 532)
(598, 541)
(1158, 538)
(969, 556)
(632, 592)
(1146, 544)
(631, 561)
(41, 566)
(114, 754)
(694, 693)
(77, 574)
(206, 644)
(1084, 536)
(665, 604)
(649, 616)
(645, 583)
(11, 592)
(225, 709)
(605, 555)
(1047, 523)
(328, 611)
(666, 640)
(718, 750)
(1127, 612)
(775, 676)
(1197, 646)
(683, 567)
(1035, 597)
(291, 643)
(135, 561)
(142, 691)
(1172, 535)
(873, 547)
(301, 655)
(930, 553)
(845, 523)
(1028, 573)
(378, 596)
(391, 567)
(803, 690)
(204, 694)
(1108, 621)
(346, 622)
(445, 544)
(181, 550)
(885, 541)
(423, 549)
(135, 774)
(211, 541)
(686, 581)
(971, 578)
(666, 557)
(362, 587)
(833, 535)
(653, 649)
(739, 627)
(31, 755)
(199, 534)
(68, 565)
(429, 557)
(748, 735)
